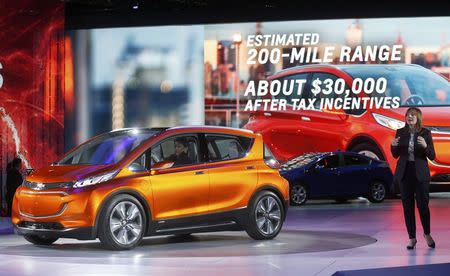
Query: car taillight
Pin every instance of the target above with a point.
(272, 163)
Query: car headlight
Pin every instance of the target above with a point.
(95, 179)
(388, 122)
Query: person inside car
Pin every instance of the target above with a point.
(180, 157)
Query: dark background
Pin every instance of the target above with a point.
(82, 14)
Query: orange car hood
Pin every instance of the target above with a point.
(432, 116)
(68, 173)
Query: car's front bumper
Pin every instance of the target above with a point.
(51, 229)
(55, 213)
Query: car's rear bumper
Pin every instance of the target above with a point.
(54, 230)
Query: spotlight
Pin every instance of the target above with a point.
(135, 5)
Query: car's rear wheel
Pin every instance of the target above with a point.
(368, 150)
(40, 240)
(377, 192)
(299, 194)
(266, 215)
(122, 224)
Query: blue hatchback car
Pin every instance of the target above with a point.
(338, 175)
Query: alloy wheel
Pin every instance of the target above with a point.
(298, 194)
(378, 191)
(268, 215)
(125, 222)
(370, 154)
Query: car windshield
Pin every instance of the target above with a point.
(416, 86)
(301, 160)
(108, 148)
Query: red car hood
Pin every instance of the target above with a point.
(51, 174)
(432, 116)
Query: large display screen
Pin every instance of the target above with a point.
(32, 84)
(328, 85)
(305, 86)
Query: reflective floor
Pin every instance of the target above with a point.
(319, 238)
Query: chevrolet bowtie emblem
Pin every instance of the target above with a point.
(40, 186)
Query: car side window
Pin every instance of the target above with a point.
(351, 160)
(226, 147)
(329, 162)
(292, 84)
(182, 150)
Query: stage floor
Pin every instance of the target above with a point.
(319, 238)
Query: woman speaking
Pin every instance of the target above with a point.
(413, 144)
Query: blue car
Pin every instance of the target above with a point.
(338, 175)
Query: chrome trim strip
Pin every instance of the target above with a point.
(195, 227)
(439, 183)
(441, 138)
(43, 193)
(43, 217)
(164, 220)
(438, 165)
(439, 131)
(45, 230)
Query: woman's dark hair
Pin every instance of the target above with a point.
(416, 111)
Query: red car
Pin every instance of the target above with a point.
(370, 132)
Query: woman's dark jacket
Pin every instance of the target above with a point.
(420, 154)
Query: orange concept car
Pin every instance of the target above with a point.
(126, 184)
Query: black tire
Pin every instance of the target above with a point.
(40, 240)
(105, 233)
(377, 192)
(277, 208)
(365, 148)
(298, 194)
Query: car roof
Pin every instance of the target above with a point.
(346, 66)
(328, 153)
(199, 128)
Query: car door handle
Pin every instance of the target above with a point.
(267, 114)
(199, 172)
(306, 118)
(250, 168)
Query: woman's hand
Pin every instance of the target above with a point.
(421, 142)
(395, 142)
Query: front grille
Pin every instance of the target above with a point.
(41, 225)
(439, 129)
(38, 186)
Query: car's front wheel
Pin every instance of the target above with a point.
(266, 215)
(122, 224)
(40, 240)
(377, 192)
(368, 150)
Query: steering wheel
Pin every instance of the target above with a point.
(414, 100)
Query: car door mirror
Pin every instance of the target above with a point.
(162, 165)
(136, 167)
